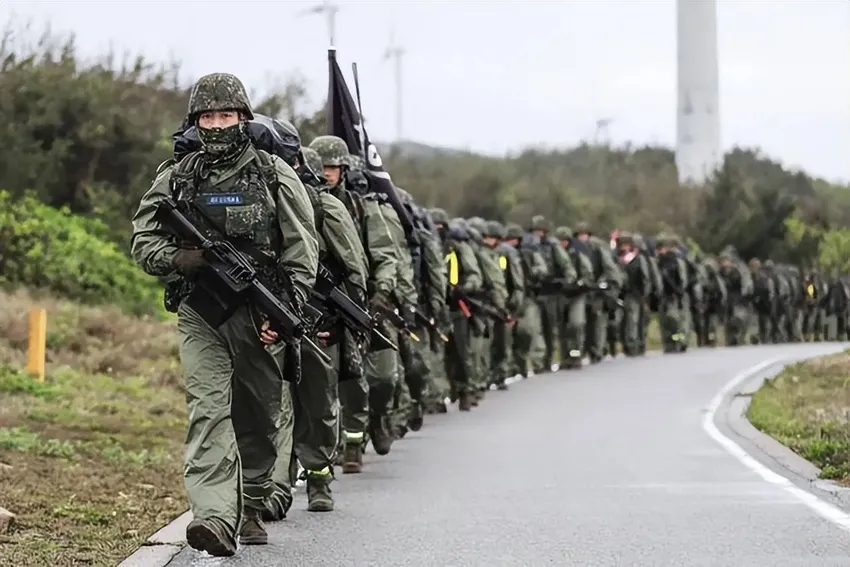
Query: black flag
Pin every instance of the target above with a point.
(345, 121)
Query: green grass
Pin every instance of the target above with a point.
(91, 458)
(807, 408)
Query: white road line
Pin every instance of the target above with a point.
(823, 508)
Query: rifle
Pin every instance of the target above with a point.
(232, 281)
(484, 308)
(392, 315)
(329, 298)
(429, 323)
(581, 288)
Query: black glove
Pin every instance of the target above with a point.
(409, 316)
(188, 262)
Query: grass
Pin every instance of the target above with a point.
(807, 408)
(90, 460)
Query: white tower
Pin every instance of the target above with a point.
(698, 147)
(396, 52)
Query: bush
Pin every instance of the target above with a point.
(49, 248)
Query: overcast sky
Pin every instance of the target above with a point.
(495, 76)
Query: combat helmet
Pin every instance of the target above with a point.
(583, 228)
(539, 222)
(312, 159)
(513, 230)
(478, 224)
(218, 91)
(754, 264)
(495, 230)
(332, 149)
(563, 233)
(439, 216)
(626, 237)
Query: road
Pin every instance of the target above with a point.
(608, 466)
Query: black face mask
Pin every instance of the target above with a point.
(223, 143)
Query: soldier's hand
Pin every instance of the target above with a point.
(188, 262)
(267, 336)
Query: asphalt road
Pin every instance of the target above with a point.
(611, 465)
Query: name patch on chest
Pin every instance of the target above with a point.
(223, 199)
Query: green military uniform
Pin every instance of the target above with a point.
(433, 297)
(673, 302)
(495, 293)
(560, 274)
(714, 294)
(465, 278)
(637, 286)
(233, 383)
(605, 271)
(656, 293)
(358, 396)
(739, 291)
(814, 325)
(315, 397)
(501, 347)
(408, 391)
(574, 311)
(528, 338)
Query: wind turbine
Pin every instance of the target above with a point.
(602, 131)
(396, 52)
(330, 9)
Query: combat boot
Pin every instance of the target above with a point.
(210, 536)
(415, 419)
(464, 401)
(382, 438)
(252, 531)
(352, 458)
(319, 497)
(277, 505)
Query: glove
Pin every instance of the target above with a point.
(409, 316)
(188, 262)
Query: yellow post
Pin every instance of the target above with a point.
(37, 343)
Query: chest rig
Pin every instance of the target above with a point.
(241, 208)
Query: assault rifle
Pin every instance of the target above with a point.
(429, 323)
(471, 305)
(329, 299)
(393, 315)
(602, 288)
(229, 280)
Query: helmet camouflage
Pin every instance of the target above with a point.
(439, 216)
(513, 230)
(583, 228)
(478, 224)
(313, 160)
(625, 237)
(563, 233)
(539, 222)
(332, 149)
(219, 91)
(495, 230)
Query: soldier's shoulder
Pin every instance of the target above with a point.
(375, 197)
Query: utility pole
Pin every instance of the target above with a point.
(396, 52)
(329, 9)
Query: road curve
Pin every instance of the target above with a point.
(607, 466)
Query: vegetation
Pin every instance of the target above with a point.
(90, 460)
(807, 408)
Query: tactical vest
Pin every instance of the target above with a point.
(242, 209)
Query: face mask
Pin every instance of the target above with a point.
(223, 141)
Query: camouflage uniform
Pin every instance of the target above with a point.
(574, 310)
(673, 302)
(234, 400)
(501, 350)
(637, 286)
(528, 338)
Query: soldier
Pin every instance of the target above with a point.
(605, 274)
(675, 277)
(527, 339)
(496, 295)
(637, 286)
(657, 292)
(574, 311)
(372, 393)
(464, 279)
(232, 368)
(739, 289)
(782, 311)
(502, 346)
(815, 313)
(764, 297)
(561, 273)
(315, 398)
(714, 293)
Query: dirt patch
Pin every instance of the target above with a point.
(807, 408)
(90, 460)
